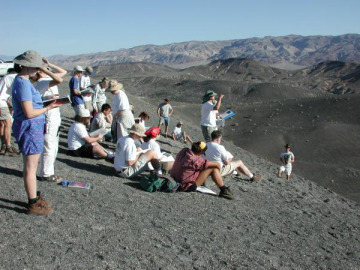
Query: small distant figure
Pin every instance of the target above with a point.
(143, 116)
(99, 97)
(85, 82)
(77, 101)
(164, 112)
(287, 158)
(179, 135)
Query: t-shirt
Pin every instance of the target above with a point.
(120, 102)
(23, 90)
(84, 83)
(208, 114)
(76, 135)
(177, 131)
(165, 109)
(153, 145)
(216, 152)
(125, 151)
(99, 121)
(43, 86)
(100, 95)
(287, 156)
(5, 88)
(187, 167)
(75, 99)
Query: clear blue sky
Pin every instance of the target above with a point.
(76, 27)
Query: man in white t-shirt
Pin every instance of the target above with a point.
(47, 86)
(6, 113)
(103, 120)
(129, 160)
(80, 144)
(179, 135)
(216, 152)
(209, 111)
(85, 82)
(287, 158)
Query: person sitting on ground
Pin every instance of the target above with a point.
(190, 170)
(80, 144)
(6, 110)
(179, 135)
(164, 112)
(129, 160)
(287, 158)
(152, 134)
(216, 152)
(103, 120)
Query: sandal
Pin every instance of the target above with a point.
(51, 178)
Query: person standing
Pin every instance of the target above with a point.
(164, 112)
(29, 125)
(6, 113)
(99, 97)
(209, 111)
(46, 84)
(77, 101)
(123, 118)
(287, 158)
(85, 82)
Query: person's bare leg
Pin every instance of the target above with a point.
(151, 157)
(287, 177)
(215, 175)
(29, 169)
(7, 131)
(98, 150)
(239, 165)
(279, 173)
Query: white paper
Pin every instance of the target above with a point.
(205, 190)
(96, 133)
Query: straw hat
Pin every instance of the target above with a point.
(138, 130)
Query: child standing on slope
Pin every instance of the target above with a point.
(287, 158)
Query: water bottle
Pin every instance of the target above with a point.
(64, 183)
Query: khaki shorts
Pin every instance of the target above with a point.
(134, 170)
(228, 169)
(5, 113)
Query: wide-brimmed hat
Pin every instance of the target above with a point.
(90, 70)
(78, 68)
(138, 130)
(114, 85)
(208, 94)
(30, 59)
(84, 113)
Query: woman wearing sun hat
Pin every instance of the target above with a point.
(29, 125)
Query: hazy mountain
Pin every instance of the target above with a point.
(288, 52)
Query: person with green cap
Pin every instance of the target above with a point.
(209, 111)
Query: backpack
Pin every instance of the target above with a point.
(154, 182)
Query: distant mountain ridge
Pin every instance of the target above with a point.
(288, 52)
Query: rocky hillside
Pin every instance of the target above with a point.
(287, 52)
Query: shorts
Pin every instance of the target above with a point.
(228, 169)
(179, 137)
(165, 120)
(136, 169)
(5, 114)
(286, 168)
(78, 108)
(29, 135)
(85, 150)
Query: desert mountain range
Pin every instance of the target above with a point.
(288, 52)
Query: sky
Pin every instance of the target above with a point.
(79, 27)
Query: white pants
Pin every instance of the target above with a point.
(51, 146)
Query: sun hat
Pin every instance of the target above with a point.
(114, 85)
(90, 70)
(29, 59)
(84, 113)
(208, 94)
(138, 130)
(153, 132)
(78, 68)
(287, 145)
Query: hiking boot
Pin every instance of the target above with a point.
(255, 178)
(226, 193)
(41, 202)
(11, 151)
(36, 209)
(3, 149)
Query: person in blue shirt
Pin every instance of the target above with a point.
(77, 101)
(29, 125)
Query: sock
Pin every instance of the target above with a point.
(222, 188)
(32, 201)
(251, 175)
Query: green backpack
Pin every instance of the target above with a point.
(154, 182)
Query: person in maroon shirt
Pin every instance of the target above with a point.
(190, 170)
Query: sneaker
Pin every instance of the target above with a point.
(11, 151)
(226, 193)
(3, 149)
(36, 209)
(255, 178)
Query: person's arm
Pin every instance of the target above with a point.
(60, 72)
(30, 112)
(218, 104)
(171, 111)
(158, 112)
(227, 161)
(93, 139)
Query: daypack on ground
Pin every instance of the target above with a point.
(154, 182)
